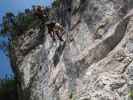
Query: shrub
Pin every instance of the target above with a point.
(56, 3)
(8, 89)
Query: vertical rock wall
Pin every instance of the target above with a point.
(93, 63)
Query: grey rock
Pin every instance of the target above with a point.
(83, 67)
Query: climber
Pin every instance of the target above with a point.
(55, 28)
(50, 30)
(59, 30)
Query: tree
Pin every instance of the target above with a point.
(15, 24)
(8, 89)
(8, 22)
(56, 3)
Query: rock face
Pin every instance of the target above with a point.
(95, 62)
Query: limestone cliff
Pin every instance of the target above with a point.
(95, 62)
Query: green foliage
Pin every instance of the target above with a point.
(8, 89)
(4, 27)
(56, 3)
(13, 43)
(130, 94)
(15, 24)
(72, 96)
(23, 21)
(8, 21)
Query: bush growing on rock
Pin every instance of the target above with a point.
(8, 89)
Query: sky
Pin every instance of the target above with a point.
(14, 6)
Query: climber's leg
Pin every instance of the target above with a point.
(53, 36)
(62, 33)
(59, 36)
(50, 33)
